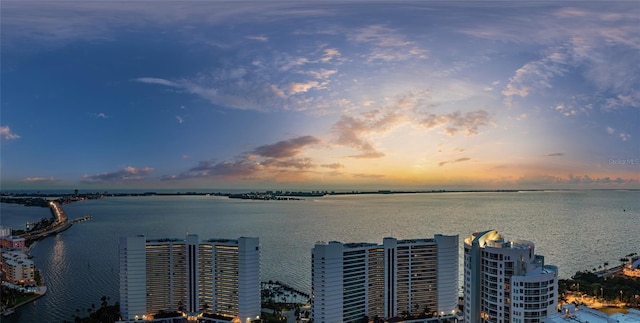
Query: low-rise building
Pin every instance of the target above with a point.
(582, 314)
(9, 241)
(17, 268)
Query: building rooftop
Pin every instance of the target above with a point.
(583, 314)
(411, 241)
(165, 240)
(359, 244)
(223, 240)
(492, 239)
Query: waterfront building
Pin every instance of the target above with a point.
(17, 268)
(415, 278)
(633, 268)
(219, 277)
(505, 281)
(5, 231)
(9, 241)
(582, 314)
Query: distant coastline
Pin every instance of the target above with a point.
(34, 198)
(41, 198)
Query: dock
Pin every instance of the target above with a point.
(82, 219)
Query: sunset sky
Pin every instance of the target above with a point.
(320, 95)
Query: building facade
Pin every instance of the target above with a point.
(189, 276)
(8, 241)
(408, 278)
(505, 281)
(17, 268)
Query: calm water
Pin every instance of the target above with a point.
(575, 230)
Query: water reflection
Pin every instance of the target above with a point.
(59, 264)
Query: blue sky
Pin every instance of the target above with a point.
(320, 95)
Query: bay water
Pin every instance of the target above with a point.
(575, 230)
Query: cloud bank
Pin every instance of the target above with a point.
(126, 174)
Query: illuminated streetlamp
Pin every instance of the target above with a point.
(601, 292)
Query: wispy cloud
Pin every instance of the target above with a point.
(5, 133)
(102, 115)
(387, 44)
(371, 176)
(225, 168)
(263, 161)
(41, 180)
(330, 54)
(535, 75)
(592, 42)
(57, 23)
(333, 166)
(261, 38)
(623, 101)
(295, 88)
(469, 122)
(155, 80)
(412, 108)
(286, 148)
(566, 111)
(573, 180)
(355, 130)
(180, 119)
(351, 131)
(622, 135)
(299, 163)
(215, 95)
(453, 161)
(554, 154)
(368, 155)
(322, 73)
(128, 173)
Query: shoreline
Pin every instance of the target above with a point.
(185, 200)
(12, 310)
(31, 246)
(62, 224)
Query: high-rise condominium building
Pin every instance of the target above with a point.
(410, 278)
(505, 281)
(192, 277)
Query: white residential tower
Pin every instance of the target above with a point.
(411, 278)
(191, 277)
(505, 281)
